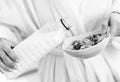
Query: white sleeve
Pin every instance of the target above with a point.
(15, 21)
(116, 6)
(6, 33)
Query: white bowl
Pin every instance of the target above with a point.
(87, 52)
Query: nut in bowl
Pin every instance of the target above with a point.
(86, 45)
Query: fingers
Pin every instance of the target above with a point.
(104, 28)
(12, 44)
(8, 50)
(4, 67)
(10, 53)
(6, 60)
(113, 26)
(105, 20)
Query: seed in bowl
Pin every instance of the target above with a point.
(87, 41)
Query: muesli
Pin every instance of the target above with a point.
(87, 41)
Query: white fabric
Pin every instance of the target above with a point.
(36, 46)
(30, 76)
(7, 34)
(30, 15)
(116, 6)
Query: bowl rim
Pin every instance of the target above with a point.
(107, 37)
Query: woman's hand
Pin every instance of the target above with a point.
(8, 59)
(115, 24)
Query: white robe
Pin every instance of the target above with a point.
(20, 18)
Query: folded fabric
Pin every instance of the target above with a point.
(32, 49)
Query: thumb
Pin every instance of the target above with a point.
(104, 25)
(113, 26)
(106, 18)
(12, 44)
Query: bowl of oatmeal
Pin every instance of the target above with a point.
(86, 45)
